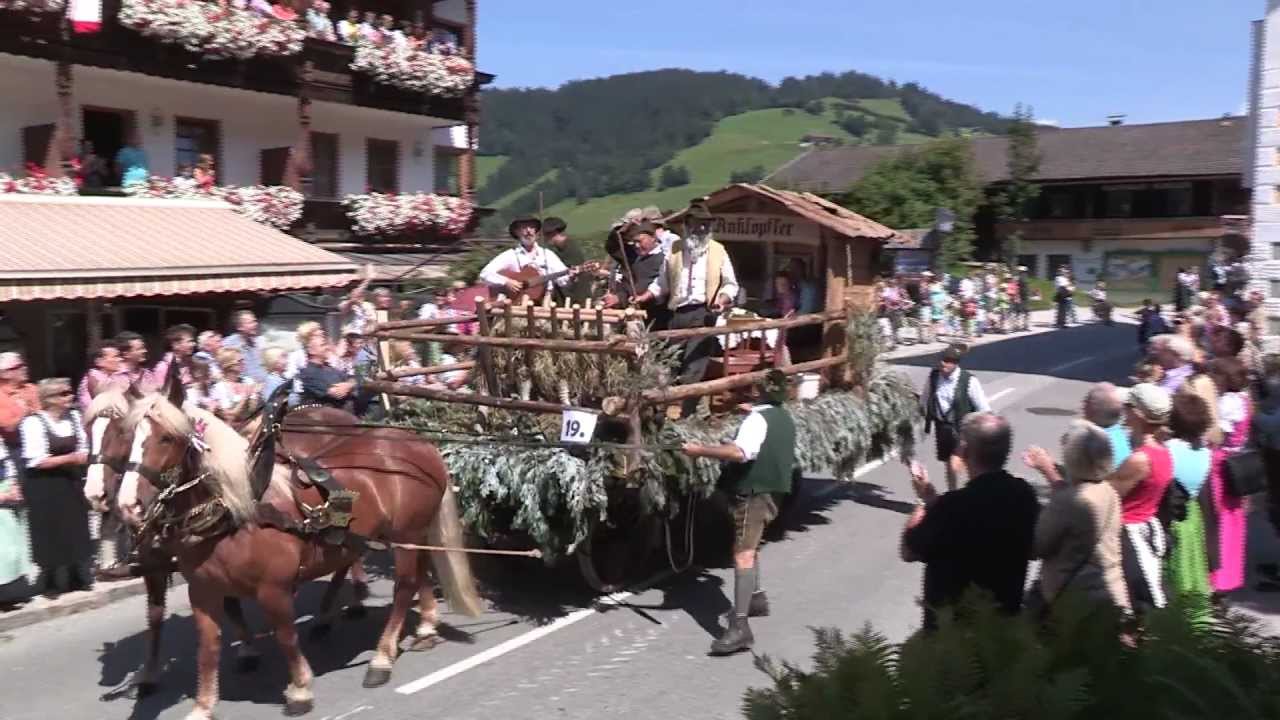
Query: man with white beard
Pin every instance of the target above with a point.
(698, 283)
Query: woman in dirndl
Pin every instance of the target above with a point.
(15, 546)
(1188, 567)
(54, 451)
(1141, 481)
(1230, 511)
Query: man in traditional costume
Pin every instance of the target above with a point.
(645, 263)
(698, 283)
(527, 254)
(762, 459)
(951, 394)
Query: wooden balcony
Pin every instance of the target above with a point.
(1104, 228)
(40, 35)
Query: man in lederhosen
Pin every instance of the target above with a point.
(761, 457)
(950, 394)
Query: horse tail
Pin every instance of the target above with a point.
(453, 568)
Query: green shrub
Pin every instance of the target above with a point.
(1074, 666)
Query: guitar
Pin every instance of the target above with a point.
(535, 283)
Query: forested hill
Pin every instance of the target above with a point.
(593, 138)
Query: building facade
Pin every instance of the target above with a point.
(362, 145)
(1125, 203)
(1261, 165)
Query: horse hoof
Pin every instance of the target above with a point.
(321, 631)
(248, 663)
(425, 643)
(356, 612)
(295, 708)
(375, 677)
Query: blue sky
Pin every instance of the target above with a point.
(1076, 62)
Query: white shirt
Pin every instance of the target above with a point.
(225, 396)
(517, 258)
(35, 444)
(692, 283)
(1231, 410)
(946, 393)
(967, 288)
(357, 319)
(751, 433)
(666, 239)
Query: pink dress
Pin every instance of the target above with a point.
(1228, 575)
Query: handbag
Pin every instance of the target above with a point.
(1243, 473)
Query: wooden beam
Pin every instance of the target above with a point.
(797, 321)
(719, 385)
(432, 322)
(404, 389)
(431, 370)
(617, 346)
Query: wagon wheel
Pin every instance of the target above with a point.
(613, 557)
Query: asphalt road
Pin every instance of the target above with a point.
(546, 650)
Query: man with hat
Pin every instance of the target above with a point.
(527, 254)
(950, 394)
(666, 238)
(556, 237)
(645, 263)
(697, 282)
(762, 458)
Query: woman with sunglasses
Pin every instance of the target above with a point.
(54, 452)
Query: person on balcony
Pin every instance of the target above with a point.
(349, 29)
(369, 28)
(283, 10)
(131, 160)
(318, 24)
(204, 174)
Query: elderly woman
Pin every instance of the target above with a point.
(1230, 512)
(275, 361)
(1188, 568)
(403, 356)
(54, 451)
(1141, 482)
(1078, 532)
(233, 397)
(15, 555)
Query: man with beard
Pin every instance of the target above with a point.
(527, 254)
(698, 283)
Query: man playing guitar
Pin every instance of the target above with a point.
(504, 272)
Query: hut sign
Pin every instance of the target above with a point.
(754, 228)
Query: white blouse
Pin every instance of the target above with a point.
(35, 444)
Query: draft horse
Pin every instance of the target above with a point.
(109, 448)
(187, 484)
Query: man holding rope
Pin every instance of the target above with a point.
(762, 458)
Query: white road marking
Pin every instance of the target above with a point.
(992, 400)
(503, 648)
(1073, 363)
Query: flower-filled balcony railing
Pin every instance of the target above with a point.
(211, 29)
(34, 6)
(275, 205)
(37, 183)
(417, 69)
(380, 214)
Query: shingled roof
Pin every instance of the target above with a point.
(1172, 149)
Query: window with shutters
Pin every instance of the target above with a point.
(382, 165)
(324, 165)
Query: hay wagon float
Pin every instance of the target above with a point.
(564, 438)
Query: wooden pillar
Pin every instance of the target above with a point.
(469, 32)
(467, 163)
(61, 146)
(298, 169)
(93, 321)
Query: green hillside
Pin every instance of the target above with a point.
(765, 138)
(487, 165)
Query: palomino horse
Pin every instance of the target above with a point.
(109, 448)
(190, 470)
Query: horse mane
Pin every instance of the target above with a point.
(225, 461)
(111, 402)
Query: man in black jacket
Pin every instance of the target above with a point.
(645, 264)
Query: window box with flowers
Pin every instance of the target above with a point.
(212, 30)
(277, 206)
(37, 183)
(33, 6)
(440, 73)
(380, 214)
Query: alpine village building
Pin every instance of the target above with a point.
(1126, 203)
(170, 161)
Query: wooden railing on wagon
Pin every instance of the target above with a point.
(596, 330)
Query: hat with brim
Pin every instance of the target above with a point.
(773, 387)
(953, 353)
(643, 228)
(699, 211)
(514, 228)
(1150, 402)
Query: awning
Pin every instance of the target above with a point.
(63, 248)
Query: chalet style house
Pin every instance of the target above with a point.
(1128, 203)
(167, 161)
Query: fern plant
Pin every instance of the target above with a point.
(982, 665)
